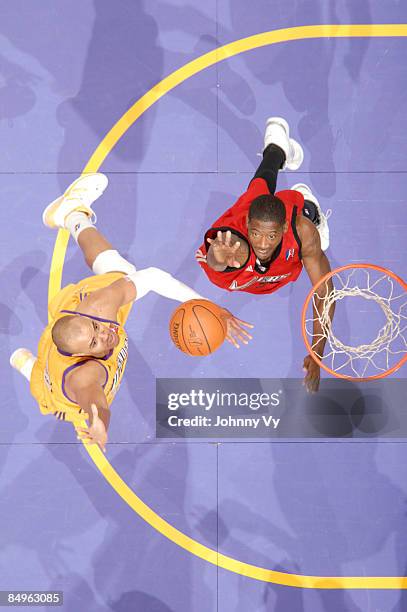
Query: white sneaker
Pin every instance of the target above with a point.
(322, 225)
(23, 361)
(278, 133)
(78, 197)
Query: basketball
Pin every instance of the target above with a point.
(196, 327)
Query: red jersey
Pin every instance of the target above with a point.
(285, 265)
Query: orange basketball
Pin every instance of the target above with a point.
(196, 327)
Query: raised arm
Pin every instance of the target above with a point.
(317, 265)
(106, 302)
(226, 250)
(85, 386)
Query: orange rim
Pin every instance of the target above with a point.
(303, 321)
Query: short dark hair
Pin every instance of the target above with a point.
(267, 208)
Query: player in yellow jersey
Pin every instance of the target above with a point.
(83, 351)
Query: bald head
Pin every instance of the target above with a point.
(66, 332)
(84, 336)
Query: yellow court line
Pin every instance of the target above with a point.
(221, 53)
(228, 563)
(98, 157)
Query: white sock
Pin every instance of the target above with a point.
(27, 368)
(76, 222)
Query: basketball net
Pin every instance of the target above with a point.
(387, 351)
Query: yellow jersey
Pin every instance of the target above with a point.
(49, 373)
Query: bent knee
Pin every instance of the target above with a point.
(112, 261)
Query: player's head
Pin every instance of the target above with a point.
(266, 224)
(81, 336)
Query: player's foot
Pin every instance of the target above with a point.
(77, 198)
(321, 222)
(278, 133)
(23, 361)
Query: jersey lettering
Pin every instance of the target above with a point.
(47, 378)
(260, 279)
(273, 279)
(121, 362)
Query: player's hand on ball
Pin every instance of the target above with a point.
(235, 331)
(96, 433)
(312, 376)
(223, 251)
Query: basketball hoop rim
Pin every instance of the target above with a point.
(303, 321)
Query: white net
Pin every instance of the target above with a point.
(366, 337)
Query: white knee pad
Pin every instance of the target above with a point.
(112, 261)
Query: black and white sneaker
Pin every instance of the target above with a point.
(322, 222)
(278, 133)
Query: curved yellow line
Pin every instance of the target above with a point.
(99, 155)
(225, 52)
(233, 565)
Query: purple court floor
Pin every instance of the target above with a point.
(333, 506)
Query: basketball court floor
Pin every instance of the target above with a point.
(303, 523)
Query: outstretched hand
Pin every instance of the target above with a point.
(312, 374)
(235, 331)
(95, 433)
(223, 251)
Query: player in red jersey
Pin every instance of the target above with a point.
(265, 239)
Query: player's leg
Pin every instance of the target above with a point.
(23, 361)
(273, 161)
(280, 151)
(312, 211)
(97, 251)
(73, 211)
(99, 254)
